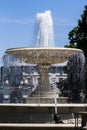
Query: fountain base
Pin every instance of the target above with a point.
(45, 100)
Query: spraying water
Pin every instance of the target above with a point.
(76, 77)
(44, 34)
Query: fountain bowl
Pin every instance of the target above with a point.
(43, 55)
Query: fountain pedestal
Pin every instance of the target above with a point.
(44, 85)
(43, 88)
(44, 93)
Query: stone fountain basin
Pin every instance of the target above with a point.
(44, 55)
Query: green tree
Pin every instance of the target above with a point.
(78, 35)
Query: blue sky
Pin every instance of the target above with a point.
(17, 18)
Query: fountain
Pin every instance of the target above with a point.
(44, 55)
(43, 102)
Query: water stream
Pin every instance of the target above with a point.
(44, 32)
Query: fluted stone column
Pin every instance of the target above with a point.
(44, 85)
(43, 88)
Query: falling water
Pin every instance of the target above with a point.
(20, 75)
(76, 76)
(44, 34)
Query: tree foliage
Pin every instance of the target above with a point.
(78, 35)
